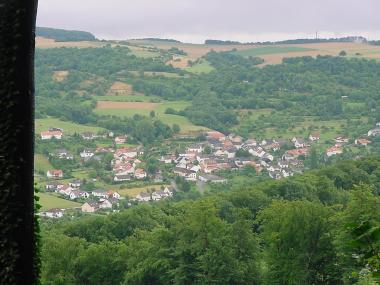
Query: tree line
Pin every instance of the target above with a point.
(322, 227)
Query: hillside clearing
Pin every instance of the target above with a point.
(68, 127)
(49, 201)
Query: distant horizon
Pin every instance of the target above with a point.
(194, 21)
(272, 37)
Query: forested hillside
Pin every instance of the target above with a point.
(61, 35)
(324, 87)
(322, 227)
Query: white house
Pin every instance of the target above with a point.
(195, 148)
(257, 151)
(53, 213)
(122, 177)
(75, 194)
(299, 142)
(100, 193)
(374, 132)
(143, 197)
(189, 175)
(87, 153)
(315, 136)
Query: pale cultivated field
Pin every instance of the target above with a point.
(194, 51)
(50, 43)
(120, 88)
(60, 76)
(352, 49)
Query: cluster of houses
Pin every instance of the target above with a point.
(126, 166)
(219, 152)
(156, 195)
(198, 162)
(95, 199)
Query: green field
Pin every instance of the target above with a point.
(41, 163)
(183, 122)
(68, 127)
(202, 67)
(49, 201)
(299, 126)
(270, 50)
(128, 98)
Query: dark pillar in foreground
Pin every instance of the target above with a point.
(17, 238)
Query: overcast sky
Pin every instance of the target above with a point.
(197, 20)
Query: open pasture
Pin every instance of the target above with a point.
(49, 201)
(128, 109)
(68, 127)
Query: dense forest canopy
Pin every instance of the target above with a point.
(61, 35)
(322, 227)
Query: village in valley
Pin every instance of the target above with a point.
(200, 160)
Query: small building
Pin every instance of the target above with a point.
(87, 153)
(188, 174)
(90, 207)
(314, 136)
(143, 197)
(53, 185)
(65, 190)
(120, 139)
(63, 154)
(75, 194)
(334, 151)
(214, 135)
(299, 142)
(341, 139)
(56, 173)
(362, 141)
(105, 204)
(100, 193)
(76, 183)
(47, 135)
(140, 173)
(53, 213)
(374, 132)
(122, 177)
